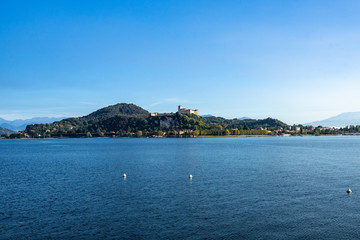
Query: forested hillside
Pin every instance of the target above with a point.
(130, 120)
(246, 124)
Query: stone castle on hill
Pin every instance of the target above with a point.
(187, 111)
(180, 110)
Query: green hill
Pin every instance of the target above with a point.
(268, 123)
(129, 120)
(117, 110)
(121, 109)
(82, 126)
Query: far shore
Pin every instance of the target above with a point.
(209, 136)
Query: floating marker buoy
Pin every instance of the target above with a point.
(190, 176)
(124, 175)
(349, 191)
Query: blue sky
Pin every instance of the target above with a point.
(297, 61)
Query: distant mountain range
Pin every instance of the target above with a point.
(20, 124)
(341, 120)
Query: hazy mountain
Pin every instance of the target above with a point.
(5, 131)
(243, 118)
(20, 124)
(341, 120)
(207, 115)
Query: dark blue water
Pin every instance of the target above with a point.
(242, 188)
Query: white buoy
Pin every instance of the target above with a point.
(190, 176)
(349, 191)
(124, 175)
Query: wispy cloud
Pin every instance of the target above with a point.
(168, 100)
(153, 104)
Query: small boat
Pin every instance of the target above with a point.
(349, 191)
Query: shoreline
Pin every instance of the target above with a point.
(209, 136)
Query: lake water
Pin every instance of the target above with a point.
(242, 188)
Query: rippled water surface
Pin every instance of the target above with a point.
(242, 188)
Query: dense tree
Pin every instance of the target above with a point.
(131, 120)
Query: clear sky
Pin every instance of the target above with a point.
(297, 61)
